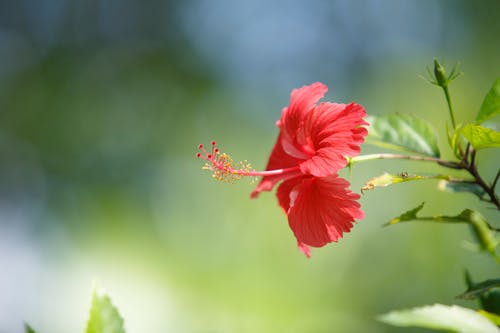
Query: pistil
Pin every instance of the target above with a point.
(221, 165)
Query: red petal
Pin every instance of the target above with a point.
(285, 195)
(301, 102)
(323, 210)
(278, 160)
(327, 161)
(305, 249)
(284, 192)
(334, 132)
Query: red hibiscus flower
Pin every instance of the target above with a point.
(312, 146)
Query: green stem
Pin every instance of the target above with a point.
(450, 107)
(384, 156)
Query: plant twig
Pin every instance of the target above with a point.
(471, 167)
(496, 180)
(464, 164)
(384, 156)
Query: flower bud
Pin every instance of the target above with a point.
(440, 74)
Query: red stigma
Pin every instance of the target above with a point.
(221, 164)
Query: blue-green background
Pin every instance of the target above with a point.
(102, 106)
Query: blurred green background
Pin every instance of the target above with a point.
(102, 106)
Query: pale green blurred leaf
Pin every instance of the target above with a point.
(403, 132)
(28, 329)
(456, 187)
(481, 137)
(441, 317)
(491, 104)
(490, 316)
(104, 317)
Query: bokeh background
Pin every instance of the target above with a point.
(102, 106)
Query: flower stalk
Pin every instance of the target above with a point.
(439, 78)
(450, 107)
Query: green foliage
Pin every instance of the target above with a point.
(403, 132)
(441, 317)
(491, 104)
(481, 137)
(104, 317)
(455, 318)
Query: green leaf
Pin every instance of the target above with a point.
(407, 216)
(387, 179)
(475, 290)
(491, 104)
(403, 132)
(455, 140)
(481, 137)
(490, 301)
(452, 318)
(104, 317)
(28, 329)
(488, 297)
(456, 187)
(481, 229)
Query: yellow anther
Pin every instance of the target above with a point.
(221, 165)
